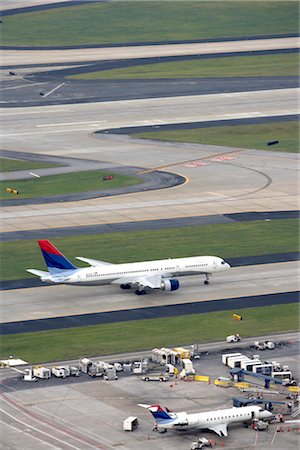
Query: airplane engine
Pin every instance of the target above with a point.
(169, 285)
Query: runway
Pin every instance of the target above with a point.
(55, 301)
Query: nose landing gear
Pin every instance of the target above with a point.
(206, 281)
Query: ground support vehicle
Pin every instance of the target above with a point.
(233, 338)
(130, 424)
(201, 443)
(155, 378)
(41, 372)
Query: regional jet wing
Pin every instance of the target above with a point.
(94, 262)
(220, 429)
(152, 282)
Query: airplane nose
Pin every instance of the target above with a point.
(265, 414)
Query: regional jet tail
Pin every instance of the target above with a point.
(216, 421)
(143, 276)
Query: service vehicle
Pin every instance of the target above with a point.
(201, 443)
(233, 338)
(155, 378)
(259, 425)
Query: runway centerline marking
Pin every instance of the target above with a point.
(43, 111)
(90, 122)
(21, 86)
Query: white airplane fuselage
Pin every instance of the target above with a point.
(166, 268)
(216, 421)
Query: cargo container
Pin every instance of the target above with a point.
(248, 365)
(225, 357)
(42, 372)
(130, 424)
(60, 371)
(236, 361)
(264, 369)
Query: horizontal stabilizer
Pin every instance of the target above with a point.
(46, 276)
(39, 273)
(93, 262)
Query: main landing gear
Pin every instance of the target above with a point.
(125, 286)
(206, 281)
(140, 292)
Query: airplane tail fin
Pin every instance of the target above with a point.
(157, 412)
(54, 259)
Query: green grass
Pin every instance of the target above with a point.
(9, 165)
(238, 66)
(132, 21)
(225, 240)
(137, 335)
(67, 183)
(239, 136)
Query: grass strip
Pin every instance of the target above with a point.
(67, 183)
(130, 336)
(10, 165)
(225, 240)
(152, 21)
(238, 136)
(238, 66)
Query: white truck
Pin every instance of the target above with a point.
(157, 377)
(266, 345)
(233, 338)
(28, 375)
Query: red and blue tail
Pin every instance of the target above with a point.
(54, 259)
(160, 415)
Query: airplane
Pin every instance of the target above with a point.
(143, 276)
(216, 421)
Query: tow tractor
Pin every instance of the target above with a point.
(201, 443)
(233, 338)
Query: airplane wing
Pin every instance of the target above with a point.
(94, 262)
(220, 429)
(152, 282)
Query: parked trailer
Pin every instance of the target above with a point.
(41, 372)
(225, 357)
(248, 365)
(130, 424)
(236, 361)
(265, 369)
(61, 371)
(74, 371)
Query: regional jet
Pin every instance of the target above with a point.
(216, 421)
(143, 276)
